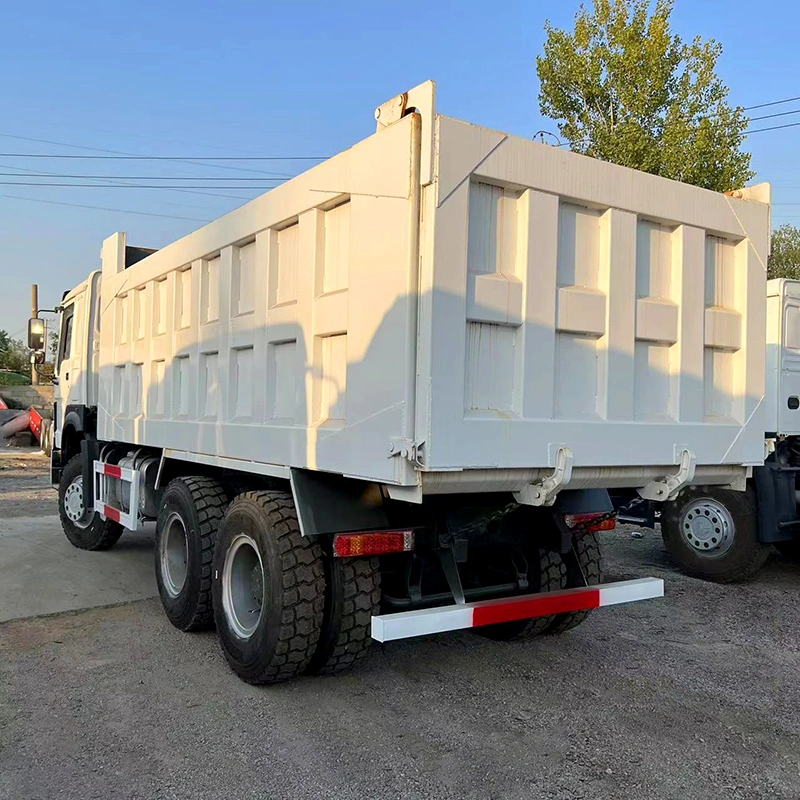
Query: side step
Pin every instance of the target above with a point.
(406, 624)
(103, 475)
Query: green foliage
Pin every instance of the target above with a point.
(784, 257)
(625, 89)
(13, 354)
(13, 379)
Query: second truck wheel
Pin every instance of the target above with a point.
(712, 533)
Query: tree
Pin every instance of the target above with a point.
(13, 354)
(784, 257)
(624, 88)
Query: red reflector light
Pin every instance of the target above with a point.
(376, 543)
(581, 520)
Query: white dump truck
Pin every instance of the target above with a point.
(388, 398)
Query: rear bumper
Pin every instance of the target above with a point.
(407, 624)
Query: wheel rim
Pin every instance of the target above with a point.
(73, 504)
(243, 586)
(707, 527)
(174, 554)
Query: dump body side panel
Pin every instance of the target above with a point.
(278, 333)
(575, 303)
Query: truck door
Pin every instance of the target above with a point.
(70, 389)
(789, 395)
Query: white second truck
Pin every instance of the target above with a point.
(388, 398)
(725, 536)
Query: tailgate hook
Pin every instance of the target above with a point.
(544, 493)
(668, 487)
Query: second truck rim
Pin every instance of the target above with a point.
(707, 527)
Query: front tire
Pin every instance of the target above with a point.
(84, 528)
(268, 589)
(191, 511)
(712, 533)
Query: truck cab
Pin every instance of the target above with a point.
(75, 408)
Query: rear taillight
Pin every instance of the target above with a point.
(583, 521)
(374, 543)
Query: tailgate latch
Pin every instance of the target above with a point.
(668, 487)
(544, 493)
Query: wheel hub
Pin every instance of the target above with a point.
(73, 504)
(174, 554)
(707, 527)
(243, 586)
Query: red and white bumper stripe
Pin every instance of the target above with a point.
(406, 624)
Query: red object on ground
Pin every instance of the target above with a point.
(16, 425)
(3, 403)
(36, 424)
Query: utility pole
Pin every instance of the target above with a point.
(34, 314)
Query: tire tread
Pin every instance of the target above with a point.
(303, 585)
(107, 532)
(349, 616)
(590, 557)
(210, 501)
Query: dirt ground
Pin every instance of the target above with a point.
(25, 489)
(692, 696)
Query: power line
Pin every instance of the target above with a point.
(774, 128)
(744, 108)
(773, 103)
(115, 153)
(170, 188)
(141, 177)
(771, 116)
(162, 158)
(101, 208)
(130, 186)
(165, 202)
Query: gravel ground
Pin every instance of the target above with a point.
(692, 696)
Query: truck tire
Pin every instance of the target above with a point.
(712, 533)
(352, 596)
(590, 560)
(268, 589)
(552, 577)
(191, 512)
(85, 529)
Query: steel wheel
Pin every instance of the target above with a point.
(74, 507)
(243, 586)
(174, 555)
(707, 527)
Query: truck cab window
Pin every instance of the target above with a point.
(66, 334)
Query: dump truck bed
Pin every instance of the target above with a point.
(447, 308)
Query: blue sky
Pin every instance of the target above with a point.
(289, 79)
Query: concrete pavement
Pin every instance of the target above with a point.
(42, 573)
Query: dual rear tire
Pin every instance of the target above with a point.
(280, 608)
